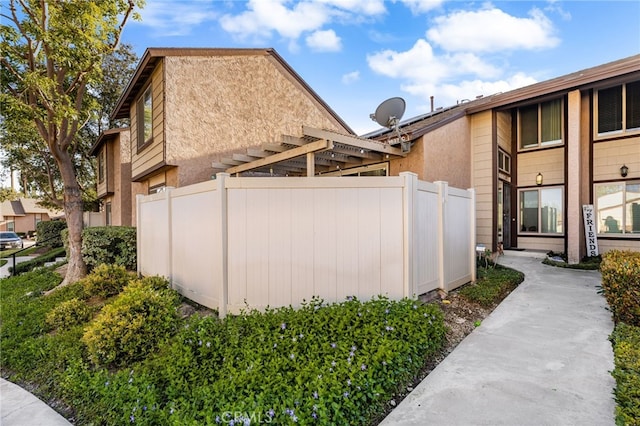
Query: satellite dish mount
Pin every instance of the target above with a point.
(388, 114)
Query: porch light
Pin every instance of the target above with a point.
(539, 179)
(624, 170)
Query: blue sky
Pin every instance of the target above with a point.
(357, 53)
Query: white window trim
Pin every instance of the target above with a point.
(614, 133)
(539, 233)
(540, 144)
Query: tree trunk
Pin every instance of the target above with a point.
(76, 268)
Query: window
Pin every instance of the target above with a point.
(540, 124)
(145, 117)
(107, 210)
(618, 108)
(37, 218)
(101, 162)
(504, 162)
(11, 226)
(618, 207)
(158, 188)
(542, 211)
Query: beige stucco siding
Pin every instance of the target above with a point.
(482, 175)
(609, 156)
(617, 244)
(448, 153)
(227, 103)
(143, 161)
(549, 162)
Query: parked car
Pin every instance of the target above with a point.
(9, 240)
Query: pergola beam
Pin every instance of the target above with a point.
(365, 144)
(320, 145)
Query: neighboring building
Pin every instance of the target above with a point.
(536, 155)
(113, 155)
(22, 215)
(189, 108)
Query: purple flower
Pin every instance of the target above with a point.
(349, 298)
(300, 336)
(314, 415)
(315, 394)
(283, 325)
(388, 328)
(132, 419)
(348, 382)
(386, 311)
(289, 412)
(271, 413)
(333, 345)
(363, 367)
(346, 394)
(292, 356)
(354, 348)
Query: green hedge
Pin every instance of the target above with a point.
(112, 245)
(621, 285)
(50, 232)
(626, 350)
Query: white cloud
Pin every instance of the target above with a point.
(491, 30)
(170, 18)
(291, 20)
(421, 6)
(266, 16)
(351, 77)
(324, 41)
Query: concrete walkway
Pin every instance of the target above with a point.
(4, 269)
(541, 358)
(20, 408)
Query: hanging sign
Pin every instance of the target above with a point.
(590, 236)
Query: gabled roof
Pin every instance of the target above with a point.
(104, 137)
(25, 206)
(152, 56)
(584, 79)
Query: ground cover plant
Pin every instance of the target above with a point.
(492, 285)
(321, 364)
(621, 287)
(560, 260)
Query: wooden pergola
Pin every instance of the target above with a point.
(317, 151)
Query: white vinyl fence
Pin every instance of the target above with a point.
(235, 243)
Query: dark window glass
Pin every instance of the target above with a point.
(610, 109)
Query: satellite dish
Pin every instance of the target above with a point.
(388, 114)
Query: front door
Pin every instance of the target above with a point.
(504, 214)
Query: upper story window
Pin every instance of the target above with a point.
(101, 162)
(618, 207)
(145, 117)
(504, 162)
(618, 109)
(540, 124)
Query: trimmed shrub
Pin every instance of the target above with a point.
(50, 232)
(110, 245)
(131, 327)
(107, 280)
(621, 285)
(69, 314)
(50, 256)
(626, 350)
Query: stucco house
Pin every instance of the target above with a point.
(22, 215)
(536, 155)
(190, 108)
(113, 156)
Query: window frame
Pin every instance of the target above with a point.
(141, 106)
(101, 165)
(505, 156)
(538, 232)
(539, 114)
(624, 131)
(623, 205)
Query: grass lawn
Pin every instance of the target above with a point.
(321, 364)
